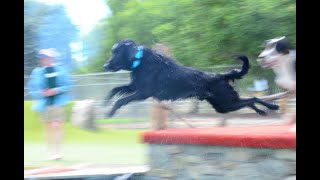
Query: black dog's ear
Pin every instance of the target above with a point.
(283, 46)
(128, 42)
(115, 46)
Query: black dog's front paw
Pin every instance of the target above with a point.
(109, 114)
(262, 113)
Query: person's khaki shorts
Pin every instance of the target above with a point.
(53, 113)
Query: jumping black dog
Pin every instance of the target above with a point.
(155, 75)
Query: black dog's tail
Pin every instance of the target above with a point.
(237, 74)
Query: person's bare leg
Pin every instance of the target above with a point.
(290, 114)
(283, 105)
(49, 138)
(291, 117)
(58, 136)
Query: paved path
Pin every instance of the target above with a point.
(83, 171)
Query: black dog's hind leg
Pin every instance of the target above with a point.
(250, 103)
(259, 111)
(268, 105)
(126, 100)
(118, 90)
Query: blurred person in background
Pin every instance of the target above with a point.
(49, 85)
(260, 87)
(161, 109)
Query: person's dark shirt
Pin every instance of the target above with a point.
(50, 75)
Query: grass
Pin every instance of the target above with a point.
(104, 146)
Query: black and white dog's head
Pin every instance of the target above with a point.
(274, 49)
(278, 56)
(123, 56)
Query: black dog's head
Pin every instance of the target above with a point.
(123, 55)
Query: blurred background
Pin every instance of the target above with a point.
(202, 34)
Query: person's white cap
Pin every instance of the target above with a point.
(51, 52)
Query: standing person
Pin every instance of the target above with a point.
(49, 86)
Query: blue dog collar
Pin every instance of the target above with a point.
(137, 61)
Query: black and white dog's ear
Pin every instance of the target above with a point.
(267, 41)
(283, 46)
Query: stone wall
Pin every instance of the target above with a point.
(220, 162)
(226, 153)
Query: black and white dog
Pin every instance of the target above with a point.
(158, 76)
(282, 59)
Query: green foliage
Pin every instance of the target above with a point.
(200, 33)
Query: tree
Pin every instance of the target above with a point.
(33, 12)
(46, 26)
(200, 33)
